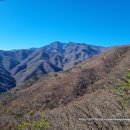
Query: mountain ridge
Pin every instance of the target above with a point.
(24, 64)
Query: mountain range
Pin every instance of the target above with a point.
(18, 66)
(73, 99)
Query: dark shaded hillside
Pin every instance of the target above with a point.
(6, 80)
(85, 91)
(29, 63)
(9, 60)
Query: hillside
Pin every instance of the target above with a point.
(29, 63)
(85, 91)
(6, 80)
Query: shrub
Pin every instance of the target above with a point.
(32, 122)
(40, 124)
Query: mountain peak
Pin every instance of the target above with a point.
(56, 43)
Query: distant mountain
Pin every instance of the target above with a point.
(25, 64)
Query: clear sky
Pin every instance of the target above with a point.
(35, 23)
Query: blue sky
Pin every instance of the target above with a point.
(35, 23)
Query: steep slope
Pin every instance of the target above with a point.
(9, 60)
(6, 80)
(38, 63)
(29, 63)
(73, 53)
(82, 92)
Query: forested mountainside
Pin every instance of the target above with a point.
(18, 66)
